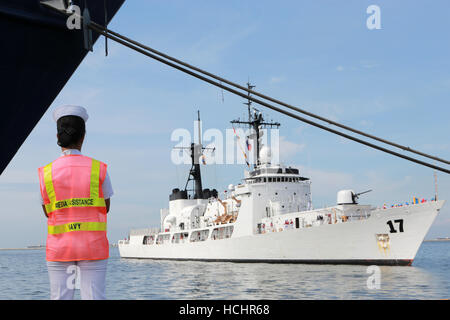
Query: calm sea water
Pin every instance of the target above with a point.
(23, 275)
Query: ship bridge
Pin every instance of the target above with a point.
(269, 174)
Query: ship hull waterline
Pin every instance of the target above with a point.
(354, 242)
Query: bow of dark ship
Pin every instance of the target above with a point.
(38, 55)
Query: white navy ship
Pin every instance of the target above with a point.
(268, 217)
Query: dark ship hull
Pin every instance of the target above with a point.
(38, 56)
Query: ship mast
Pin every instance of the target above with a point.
(195, 172)
(255, 122)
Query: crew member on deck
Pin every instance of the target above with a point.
(75, 191)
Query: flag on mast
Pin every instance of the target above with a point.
(249, 146)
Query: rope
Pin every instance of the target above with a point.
(290, 114)
(145, 50)
(250, 91)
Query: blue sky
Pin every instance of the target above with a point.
(319, 55)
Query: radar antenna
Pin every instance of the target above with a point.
(255, 122)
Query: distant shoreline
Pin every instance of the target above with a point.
(41, 248)
(22, 248)
(114, 246)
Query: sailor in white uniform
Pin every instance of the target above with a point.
(87, 275)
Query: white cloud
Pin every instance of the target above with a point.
(325, 184)
(289, 148)
(276, 79)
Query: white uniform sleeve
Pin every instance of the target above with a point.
(106, 186)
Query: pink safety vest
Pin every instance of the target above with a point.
(71, 187)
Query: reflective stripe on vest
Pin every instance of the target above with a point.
(93, 201)
(77, 226)
(75, 202)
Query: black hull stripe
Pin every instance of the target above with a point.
(384, 262)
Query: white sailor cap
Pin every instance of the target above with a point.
(69, 110)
